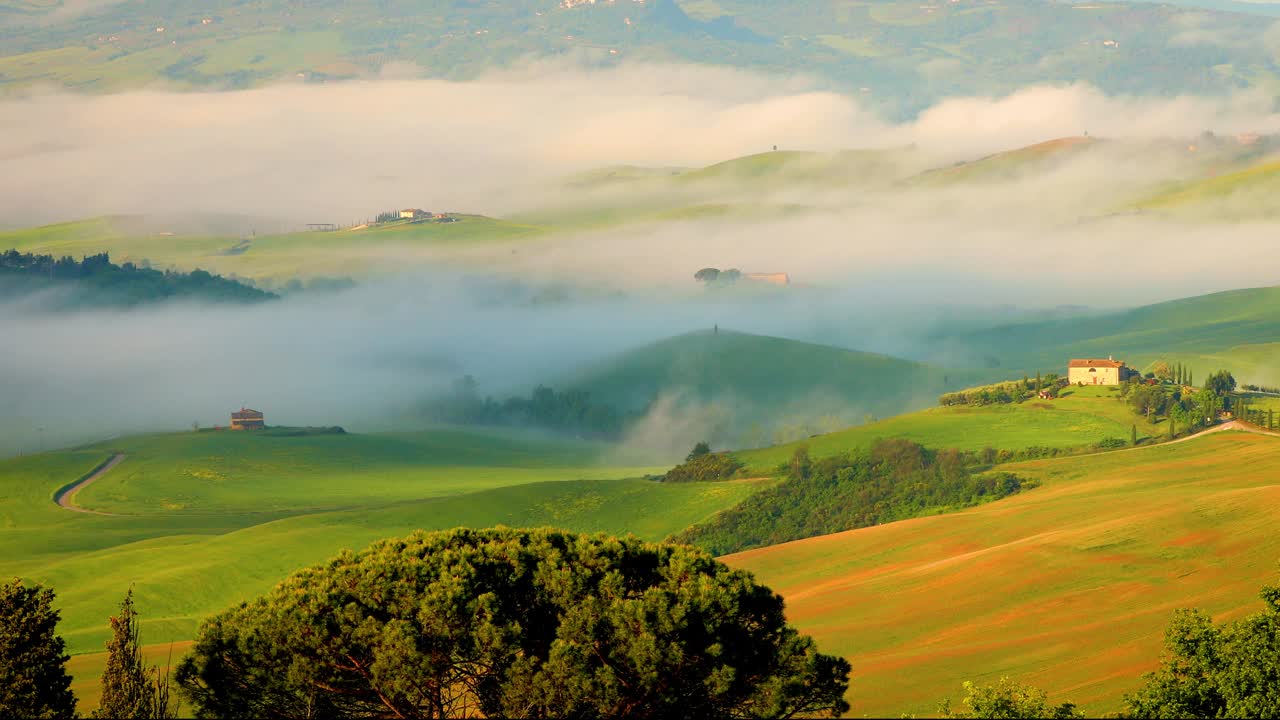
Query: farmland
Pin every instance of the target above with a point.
(1068, 587)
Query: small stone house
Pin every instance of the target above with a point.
(246, 419)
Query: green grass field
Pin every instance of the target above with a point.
(1082, 416)
(252, 507)
(1068, 587)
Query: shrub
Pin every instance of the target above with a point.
(704, 468)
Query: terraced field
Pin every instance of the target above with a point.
(1068, 587)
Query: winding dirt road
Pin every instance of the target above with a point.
(65, 497)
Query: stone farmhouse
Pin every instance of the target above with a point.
(1091, 371)
(247, 420)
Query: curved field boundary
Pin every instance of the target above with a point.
(63, 497)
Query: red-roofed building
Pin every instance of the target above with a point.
(1097, 372)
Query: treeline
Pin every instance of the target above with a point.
(95, 279)
(571, 411)
(893, 480)
(1013, 391)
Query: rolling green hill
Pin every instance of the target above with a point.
(205, 519)
(766, 380)
(1068, 587)
(903, 53)
(1008, 165)
(270, 258)
(1233, 330)
(1238, 194)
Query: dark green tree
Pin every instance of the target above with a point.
(129, 688)
(702, 448)
(1008, 699)
(503, 623)
(1133, 435)
(1215, 671)
(1221, 383)
(33, 677)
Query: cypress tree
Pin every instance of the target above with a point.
(33, 674)
(1173, 430)
(129, 688)
(1133, 435)
(1039, 386)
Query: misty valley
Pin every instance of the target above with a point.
(659, 359)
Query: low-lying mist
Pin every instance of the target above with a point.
(363, 358)
(880, 259)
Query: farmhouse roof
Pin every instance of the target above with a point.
(245, 414)
(1092, 363)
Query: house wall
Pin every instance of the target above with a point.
(1094, 376)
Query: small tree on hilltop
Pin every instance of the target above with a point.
(33, 677)
(707, 275)
(512, 623)
(702, 448)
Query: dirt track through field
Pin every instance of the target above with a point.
(64, 498)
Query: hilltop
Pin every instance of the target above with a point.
(768, 381)
(1010, 164)
(1068, 587)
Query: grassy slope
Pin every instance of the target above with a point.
(1227, 329)
(231, 472)
(1082, 416)
(767, 372)
(222, 547)
(1068, 587)
(1243, 194)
